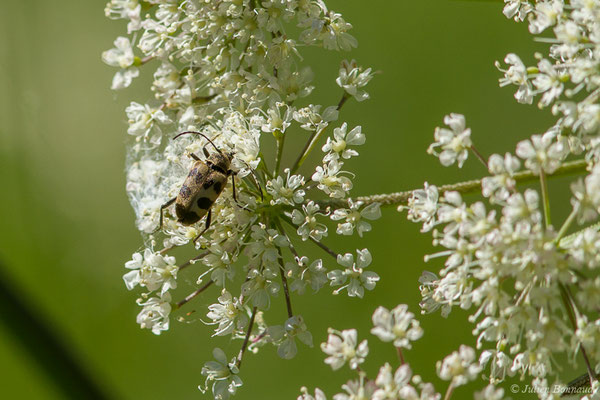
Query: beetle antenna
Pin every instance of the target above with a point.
(201, 134)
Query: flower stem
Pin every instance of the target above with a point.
(194, 294)
(280, 140)
(566, 297)
(545, 198)
(246, 339)
(565, 226)
(314, 138)
(321, 245)
(286, 291)
(401, 198)
(479, 156)
(400, 355)
(449, 391)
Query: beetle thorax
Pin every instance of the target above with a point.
(221, 161)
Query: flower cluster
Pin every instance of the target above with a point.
(399, 326)
(227, 74)
(532, 289)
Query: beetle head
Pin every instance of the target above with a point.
(221, 160)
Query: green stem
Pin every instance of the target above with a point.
(280, 140)
(401, 198)
(568, 240)
(572, 312)
(545, 198)
(565, 226)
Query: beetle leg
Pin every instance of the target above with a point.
(256, 182)
(167, 204)
(205, 151)
(195, 157)
(206, 225)
(233, 174)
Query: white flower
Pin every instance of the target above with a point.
(307, 221)
(228, 314)
(338, 146)
(586, 196)
(356, 390)
(319, 395)
(460, 367)
(222, 374)
(341, 347)
(398, 326)
(542, 152)
(355, 273)
(289, 192)
(275, 122)
(490, 392)
(500, 185)
(516, 74)
(144, 121)
(311, 120)
(153, 271)
(331, 181)
(285, 336)
(549, 82)
(305, 274)
(355, 218)
(394, 386)
(454, 142)
(352, 77)
(517, 9)
(423, 206)
(155, 313)
(121, 56)
(545, 15)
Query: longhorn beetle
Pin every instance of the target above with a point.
(203, 185)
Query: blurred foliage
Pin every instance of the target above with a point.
(67, 227)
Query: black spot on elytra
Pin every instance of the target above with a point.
(208, 183)
(204, 203)
(184, 216)
(218, 186)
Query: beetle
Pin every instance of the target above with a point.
(203, 185)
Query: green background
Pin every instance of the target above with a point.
(67, 227)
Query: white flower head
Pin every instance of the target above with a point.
(423, 206)
(332, 180)
(460, 367)
(454, 142)
(354, 217)
(319, 395)
(222, 374)
(228, 314)
(121, 56)
(153, 271)
(338, 146)
(542, 152)
(155, 313)
(308, 225)
(288, 191)
(285, 336)
(352, 77)
(397, 325)
(358, 279)
(517, 74)
(343, 347)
